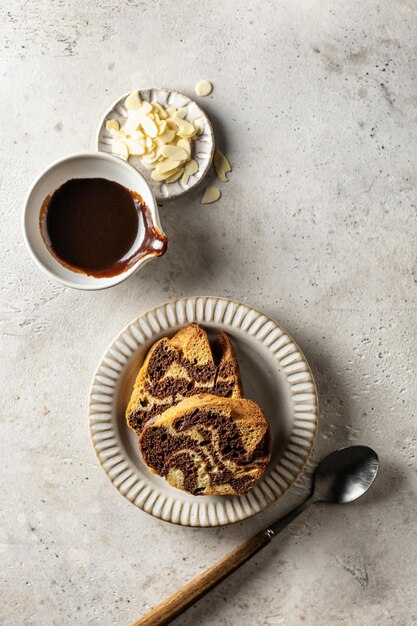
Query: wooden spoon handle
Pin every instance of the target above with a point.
(179, 601)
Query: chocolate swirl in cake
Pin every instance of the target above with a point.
(209, 445)
(181, 367)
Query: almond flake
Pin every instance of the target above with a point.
(167, 136)
(174, 177)
(132, 123)
(149, 126)
(185, 129)
(159, 177)
(181, 113)
(167, 166)
(136, 148)
(119, 148)
(145, 108)
(185, 144)
(162, 126)
(148, 144)
(221, 165)
(211, 194)
(133, 101)
(190, 168)
(112, 125)
(151, 157)
(175, 153)
(203, 88)
(199, 125)
(160, 110)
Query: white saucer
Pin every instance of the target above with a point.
(203, 144)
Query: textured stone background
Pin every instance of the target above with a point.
(315, 103)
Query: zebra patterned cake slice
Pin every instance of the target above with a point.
(208, 445)
(180, 367)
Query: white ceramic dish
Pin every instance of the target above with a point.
(203, 145)
(274, 373)
(83, 165)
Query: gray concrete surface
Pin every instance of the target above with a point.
(315, 103)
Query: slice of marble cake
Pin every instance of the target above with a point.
(207, 445)
(181, 367)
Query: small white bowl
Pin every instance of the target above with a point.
(84, 165)
(203, 144)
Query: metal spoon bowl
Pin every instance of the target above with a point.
(345, 475)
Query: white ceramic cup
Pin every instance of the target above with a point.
(83, 165)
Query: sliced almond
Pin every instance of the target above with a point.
(167, 165)
(150, 158)
(221, 165)
(148, 166)
(181, 113)
(174, 177)
(199, 125)
(159, 144)
(136, 148)
(149, 144)
(175, 153)
(185, 129)
(112, 125)
(160, 109)
(137, 135)
(193, 167)
(185, 144)
(132, 122)
(167, 136)
(162, 126)
(149, 126)
(211, 194)
(159, 177)
(119, 148)
(172, 124)
(203, 88)
(120, 133)
(133, 101)
(145, 108)
(190, 168)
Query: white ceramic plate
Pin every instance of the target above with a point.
(274, 373)
(203, 144)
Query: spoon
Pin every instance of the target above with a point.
(341, 477)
